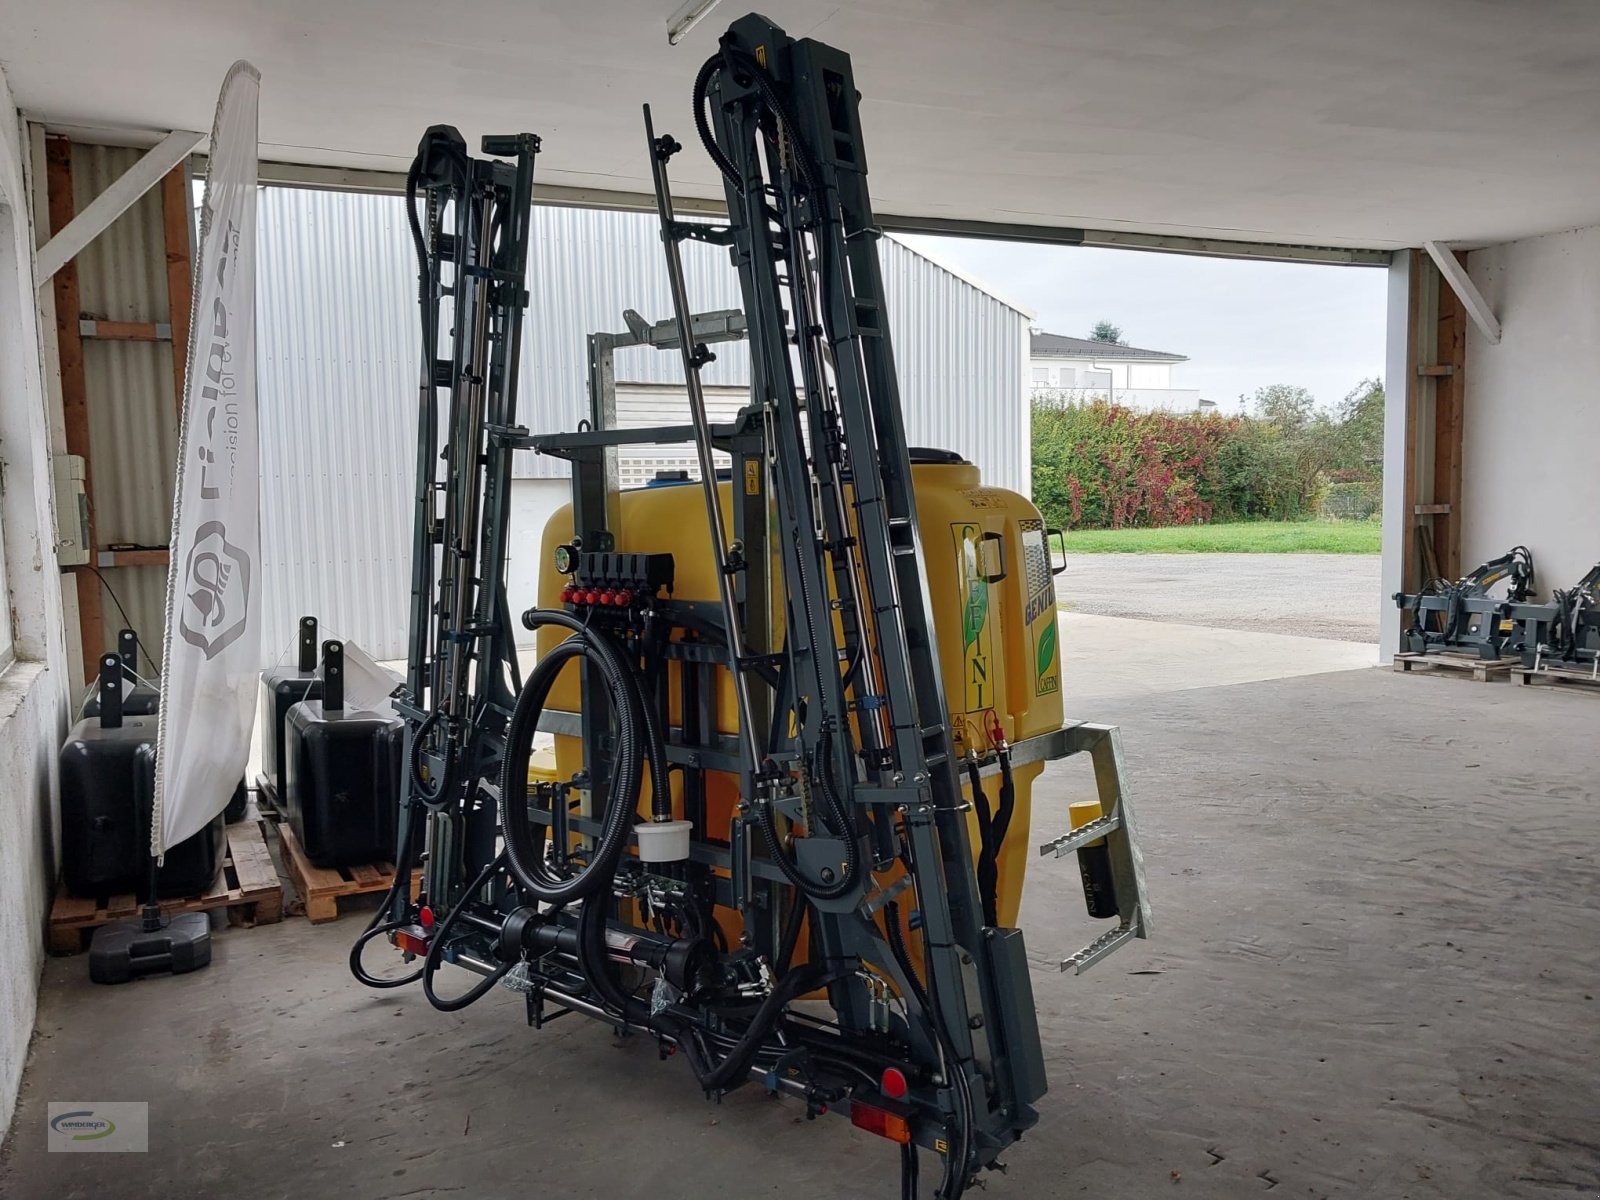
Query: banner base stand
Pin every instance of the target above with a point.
(127, 950)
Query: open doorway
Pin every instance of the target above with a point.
(1208, 433)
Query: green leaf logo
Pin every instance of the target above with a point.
(1046, 656)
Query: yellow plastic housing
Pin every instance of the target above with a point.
(994, 612)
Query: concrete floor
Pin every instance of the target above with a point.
(1310, 595)
(1375, 975)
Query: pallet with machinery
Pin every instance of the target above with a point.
(247, 886)
(1480, 669)
(321, 888)
(1558, 676)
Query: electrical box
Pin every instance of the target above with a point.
(72, 511)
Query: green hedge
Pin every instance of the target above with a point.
(1100, 466)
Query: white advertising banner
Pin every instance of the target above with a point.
(213, 632)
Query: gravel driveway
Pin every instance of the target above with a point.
(1314, 595)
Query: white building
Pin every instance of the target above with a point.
(1069, 368)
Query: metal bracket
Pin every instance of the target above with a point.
(1103, 743)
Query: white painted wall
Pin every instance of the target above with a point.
(1533, 407)
(532, 502)
(1123, 374)
(33, 691)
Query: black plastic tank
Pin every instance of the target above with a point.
(342, 775)
(281, 689)
(107, 790)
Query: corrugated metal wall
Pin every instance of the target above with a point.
(338, 338)
(962, 359)
(133, 410)
(337, 351)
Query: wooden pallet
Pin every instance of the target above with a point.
(321, 887)
(1482, 670)
(1555, 675)
(267, 797)
(247, 886)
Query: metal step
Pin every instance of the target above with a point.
(1118, 829)
(1103, 945)
(1082, 836)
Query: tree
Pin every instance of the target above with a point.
(1292, 409)
(1360, 416)
(1105, 331)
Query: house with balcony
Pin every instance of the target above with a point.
(1070, 369)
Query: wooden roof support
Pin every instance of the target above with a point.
(175, 228)
(1466, 291)
(83, 228)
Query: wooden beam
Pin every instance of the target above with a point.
(175, 226)
(1449, 408)
(66, 242)
(124, 331)
(1466, 291)
(153, 556)
(74, 393)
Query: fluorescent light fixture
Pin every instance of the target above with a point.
(687, 16)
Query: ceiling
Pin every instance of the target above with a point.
(1365, 123)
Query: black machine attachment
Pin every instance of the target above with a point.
(1473, 614)
(140, 697)
(1565, 631)
(839, 864)
(282, 687)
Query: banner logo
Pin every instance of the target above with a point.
(216, 588)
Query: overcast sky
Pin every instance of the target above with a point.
(1243, 325)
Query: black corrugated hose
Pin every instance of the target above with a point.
(523, 838)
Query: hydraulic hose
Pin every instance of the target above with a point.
(524, 840)
(655, 748)
(441, 935)
(789, 939)
(988, 845)
(702, 126)
(733, 1067)
(378, 926)
(426, 792)
(736, 1064)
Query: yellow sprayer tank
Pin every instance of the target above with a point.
(994, 607)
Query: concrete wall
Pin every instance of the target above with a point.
(1533, 407)
(33, 690)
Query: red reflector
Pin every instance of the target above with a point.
(893, 1084)
(411, 943)
(875, 1120)
(426, 917)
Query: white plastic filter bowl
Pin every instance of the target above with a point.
(663, 841)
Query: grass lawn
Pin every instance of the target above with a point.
(1244, 537)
